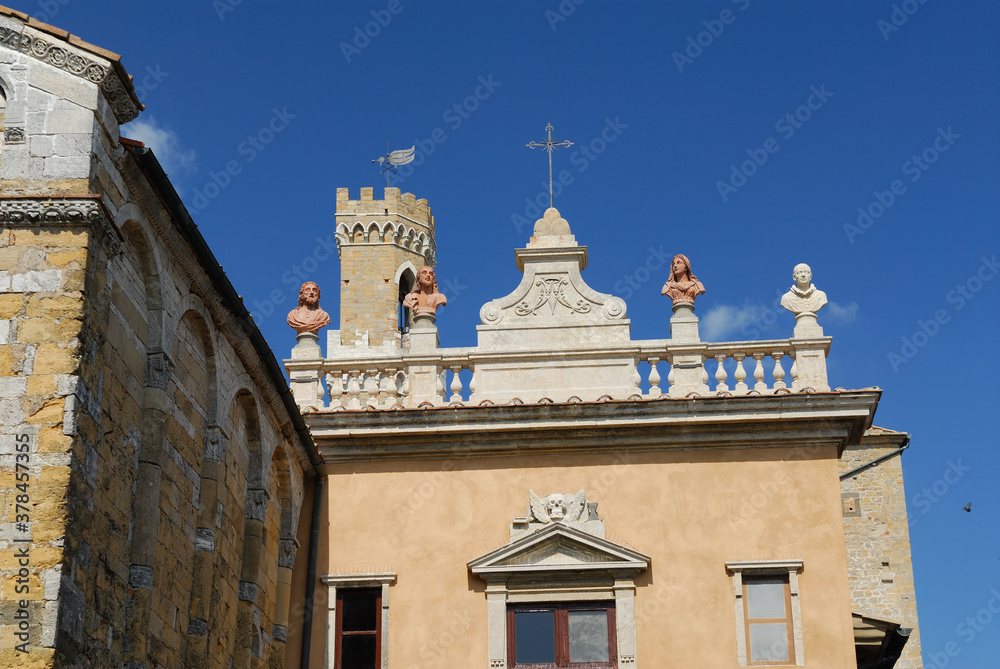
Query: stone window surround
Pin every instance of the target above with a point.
(610, 579)
(370, 580)
(789, 568)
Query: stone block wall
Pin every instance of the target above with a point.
(164, 472)
(377, 241)
(877, 535)
(41, 315)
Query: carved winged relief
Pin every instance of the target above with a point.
(557, 507)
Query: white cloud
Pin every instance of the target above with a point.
(839, 314)
(754, 320)
(723, 321)
(166, 145)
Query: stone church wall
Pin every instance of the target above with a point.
(164, 471)
(877, 535)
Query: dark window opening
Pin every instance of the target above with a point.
(406, 281)
(359, 628)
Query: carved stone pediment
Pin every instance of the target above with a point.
(557, 337)
(552, 292)
(558, 547)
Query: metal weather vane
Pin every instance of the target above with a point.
(549, 147)
(392, 160)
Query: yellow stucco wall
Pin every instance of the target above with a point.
(690, 511)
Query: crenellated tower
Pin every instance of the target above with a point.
(382, 244)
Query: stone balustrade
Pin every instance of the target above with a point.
(660, 368)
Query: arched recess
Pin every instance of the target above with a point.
(248, 638)
(192, 410)
(195, 346)
(137, 310)
(279, 544)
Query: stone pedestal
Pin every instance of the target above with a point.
(423, 334)
(684, 324)
(810, 363)
(423, 376)
(687, 370)
(806, 326)
(307, 384)
(307, 346)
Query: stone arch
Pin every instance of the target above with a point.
(374, 233)
(136, 286)
(406, 237)
(358, 234)
(148, 278)
(248, 640)
(405, 270)
(278, 543)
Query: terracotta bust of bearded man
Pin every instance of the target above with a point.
(682, 286)
(308, 317)
(425, 298)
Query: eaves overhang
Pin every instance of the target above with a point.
(835, 419)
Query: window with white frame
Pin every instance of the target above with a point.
(358, 620)
(561, 597)
(768, 613)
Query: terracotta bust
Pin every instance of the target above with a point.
(425, 298)
(803, 297)
(308, 317)
(682, 286)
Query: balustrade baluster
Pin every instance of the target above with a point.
(758, 373)
(336, 388)
(354, 389)
(388, 386)
(779, 373)
(456, 384)
(794, 371)
(654, 378)
(740, 375)
(720, 374)
(371, 382)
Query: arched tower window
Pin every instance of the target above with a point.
(406, 281)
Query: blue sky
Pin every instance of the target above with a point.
(887, 107)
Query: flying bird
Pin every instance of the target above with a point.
(967, 507)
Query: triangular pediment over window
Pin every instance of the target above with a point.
(558, 548)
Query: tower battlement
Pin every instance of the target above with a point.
(394, 203)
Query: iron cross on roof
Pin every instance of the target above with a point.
(549, 147)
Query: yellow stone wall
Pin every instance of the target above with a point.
(41, 314)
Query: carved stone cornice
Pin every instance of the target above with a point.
(33, 212)
(58, 55)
